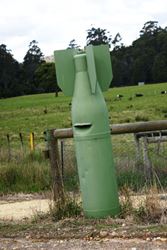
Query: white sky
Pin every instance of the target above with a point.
(55, 23)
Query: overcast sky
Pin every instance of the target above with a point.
(55, 23)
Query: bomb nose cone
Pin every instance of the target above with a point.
(80, 63)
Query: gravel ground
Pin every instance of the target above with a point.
(23, 206)
(114, 244)
(18, 232)
(23, 209)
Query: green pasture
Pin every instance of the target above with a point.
(38, 112)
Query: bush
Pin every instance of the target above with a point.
(141, 118)
(25, 175)
(70, 209)
(132, 179)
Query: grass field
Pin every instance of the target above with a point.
(28, 113)
(44, 111)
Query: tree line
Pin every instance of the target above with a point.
(32, 76)
(144, 61)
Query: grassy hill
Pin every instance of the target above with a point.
(38, 112)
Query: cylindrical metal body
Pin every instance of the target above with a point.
(93, 146)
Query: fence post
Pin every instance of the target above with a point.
(57, 181)
(138, 150)
(62, 158)
(9, 148)
(21, 140)
(147, 162)
(46, 150)
(32, 144)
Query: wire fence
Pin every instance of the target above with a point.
(137, 165)
(19, 145)
(139, 160)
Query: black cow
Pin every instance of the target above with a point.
(138, 95)
(119, 96)
(163, 92)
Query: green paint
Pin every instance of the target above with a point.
(91, 127)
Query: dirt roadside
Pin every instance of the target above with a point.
(79, 233)
(18, 231)
(24, 206)
(107, 244)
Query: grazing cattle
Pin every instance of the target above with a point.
(138, 95)
(163, 92)
(119, 96)
(45, 111)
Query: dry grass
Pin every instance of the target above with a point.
(147, 208)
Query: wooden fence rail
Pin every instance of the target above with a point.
(124, 128)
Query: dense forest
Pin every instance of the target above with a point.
(144, 61)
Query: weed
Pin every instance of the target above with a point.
(150, 210)
(129, 107)
(164, 110)
(130, 178)
(125, 120)
(126, 202)
(69, 209)
(71, 181)
(39, 216)
(141, 118)
(25, 175)
(140, 214)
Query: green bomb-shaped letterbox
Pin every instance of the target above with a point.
(84, 75)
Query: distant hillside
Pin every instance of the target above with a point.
(43, 111)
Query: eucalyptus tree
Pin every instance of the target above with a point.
(97, 36)
(33, 58)
(73, 45)
(9, 73)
